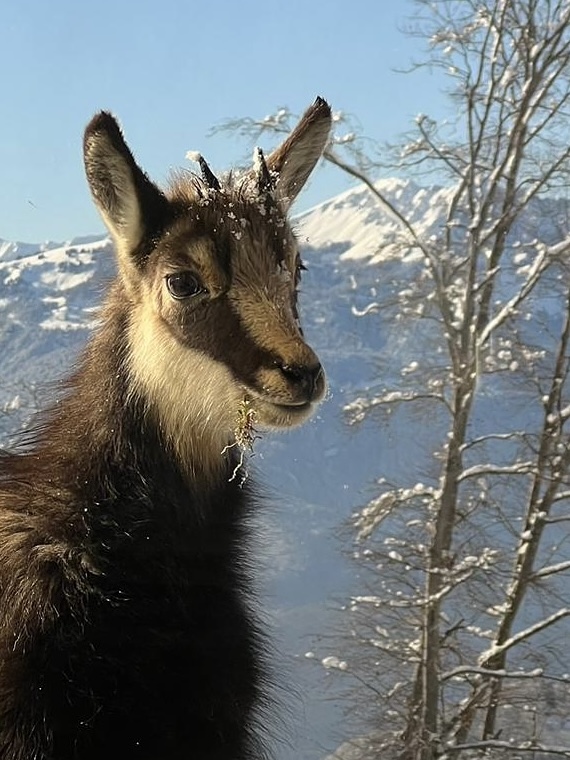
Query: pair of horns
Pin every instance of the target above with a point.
(265, 182)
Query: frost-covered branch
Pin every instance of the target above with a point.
(357, 409)
(516, 434)
(536, 271)
(519, 468)
(513, 747)
(379, 508)
(491, 653)
(463, 670)
(544, 572)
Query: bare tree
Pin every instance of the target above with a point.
(467, 605)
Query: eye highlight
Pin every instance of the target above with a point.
(183, 285)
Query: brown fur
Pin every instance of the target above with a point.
(126, 628)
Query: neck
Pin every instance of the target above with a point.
(117, 418)
(192, 398)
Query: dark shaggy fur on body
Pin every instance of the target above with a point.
(126, 614)
(112, 568)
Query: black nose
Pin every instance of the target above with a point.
(304, 377)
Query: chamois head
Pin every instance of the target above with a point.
(208, 274)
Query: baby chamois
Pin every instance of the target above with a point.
(126, 625)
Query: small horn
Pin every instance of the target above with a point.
(207, 174)
(265, 181)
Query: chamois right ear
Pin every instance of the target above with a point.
(132, 207)
(296, 158)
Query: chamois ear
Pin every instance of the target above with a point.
(132, 207)
(295, 159)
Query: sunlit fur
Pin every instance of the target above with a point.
(126, 606)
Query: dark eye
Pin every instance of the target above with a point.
(183, 285)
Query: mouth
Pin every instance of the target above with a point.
(290, 406)
(277, 414)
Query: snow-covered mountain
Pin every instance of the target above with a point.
(49, 295)
(354, 221)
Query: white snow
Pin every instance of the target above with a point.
(334, 662)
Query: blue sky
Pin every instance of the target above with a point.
(172, 69)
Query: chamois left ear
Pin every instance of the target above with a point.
(132, 207)
(296, 158)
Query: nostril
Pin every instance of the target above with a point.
(303, 376)
(294, 372)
